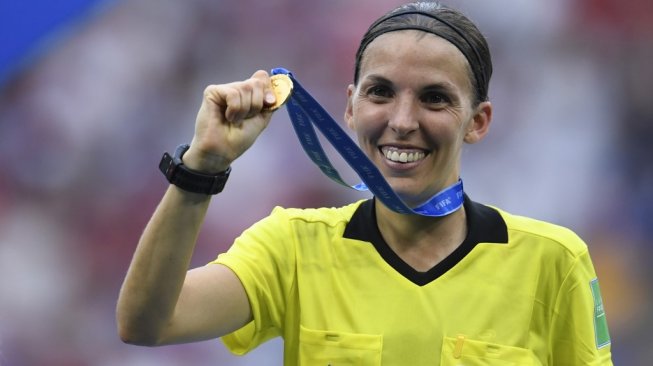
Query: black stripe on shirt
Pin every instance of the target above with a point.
(485, 225)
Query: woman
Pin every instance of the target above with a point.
(362, 284)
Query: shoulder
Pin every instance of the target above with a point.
(537, 231)
(284, 226)
(329, 216)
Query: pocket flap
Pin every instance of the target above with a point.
(326, 347)
(473, 353)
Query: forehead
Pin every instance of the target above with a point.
(417, 53)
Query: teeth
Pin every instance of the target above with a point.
(404, 157)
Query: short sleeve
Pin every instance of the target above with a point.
(263, 259)
(580, 332)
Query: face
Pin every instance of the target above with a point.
(412, 110)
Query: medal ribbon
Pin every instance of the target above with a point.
(305, 113)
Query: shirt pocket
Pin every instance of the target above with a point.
(333, 348)
(462, 351)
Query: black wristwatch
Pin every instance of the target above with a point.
(189, 180)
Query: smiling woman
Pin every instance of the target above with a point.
(363, 284)
(426, 110)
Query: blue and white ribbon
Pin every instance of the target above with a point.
(305, 112)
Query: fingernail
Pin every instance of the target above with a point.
(269, 98)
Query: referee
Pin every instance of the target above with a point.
(363, 284)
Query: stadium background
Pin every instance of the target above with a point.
(92, 92)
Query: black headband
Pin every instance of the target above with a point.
(472, 59)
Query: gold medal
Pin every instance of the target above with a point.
(282, 88)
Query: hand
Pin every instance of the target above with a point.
(230, 119)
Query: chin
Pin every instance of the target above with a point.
(414, 196)
(411, 197)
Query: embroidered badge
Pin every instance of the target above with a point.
(601, 333)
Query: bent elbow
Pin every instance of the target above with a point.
(138, 339)
(135, 335)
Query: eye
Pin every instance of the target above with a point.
(434, 98)
(379, 91)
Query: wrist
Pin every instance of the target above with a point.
(203, 163)
(182, 176)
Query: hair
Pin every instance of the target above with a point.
(444, 22)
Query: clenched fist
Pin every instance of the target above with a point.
(230, 119)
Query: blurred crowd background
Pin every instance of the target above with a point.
(88, 109)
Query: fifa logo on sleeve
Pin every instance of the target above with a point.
(601, 333)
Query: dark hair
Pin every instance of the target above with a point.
(444, 22)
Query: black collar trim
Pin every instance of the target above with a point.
(485, 225)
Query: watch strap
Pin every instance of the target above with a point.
(190, 180)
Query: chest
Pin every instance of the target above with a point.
(357, 290)
(356, 300)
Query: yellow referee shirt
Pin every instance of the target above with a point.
(516, 292)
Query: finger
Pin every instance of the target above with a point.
(214, 103)
(245, 90)
(244, 99)
(269, 98)
(214, 95)
(257, 98)
(252, 96)
(233, 104)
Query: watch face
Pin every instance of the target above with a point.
(282, 87)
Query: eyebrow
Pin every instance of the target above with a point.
(444, 87)
(376, 79)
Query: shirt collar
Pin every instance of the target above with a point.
(484, 224)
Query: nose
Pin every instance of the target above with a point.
(403, 119)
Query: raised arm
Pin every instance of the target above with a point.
(160, 301)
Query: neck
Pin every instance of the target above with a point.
(421, 241)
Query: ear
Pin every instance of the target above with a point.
(480, 123)
(349, 111)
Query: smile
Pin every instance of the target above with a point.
(402, 155)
